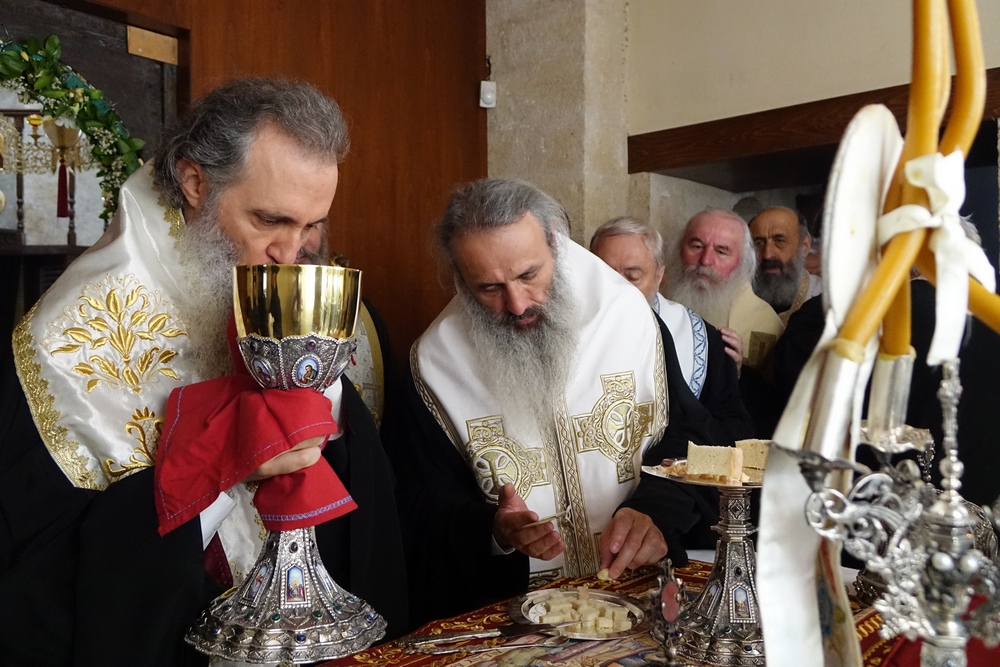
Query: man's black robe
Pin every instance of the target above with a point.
(447, 524)
(86, 579)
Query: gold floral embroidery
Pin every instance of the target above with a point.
(122, 318)
(173, 216)
(257, 520)
(42, 404)
(146, 428)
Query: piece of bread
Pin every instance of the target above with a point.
(754, 453)
(723, 465)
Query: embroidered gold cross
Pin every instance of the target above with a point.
(616, 425)
(497, 459)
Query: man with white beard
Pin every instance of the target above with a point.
(635, 250)
(537, 394)
(85, 577)
(782, 241)
(712, 278)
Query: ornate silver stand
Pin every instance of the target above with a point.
(722, 626)
(667, 604)
(288, 610)
(920, 543)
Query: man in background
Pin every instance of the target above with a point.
(712, 278)
(635, 250)
(782, 242)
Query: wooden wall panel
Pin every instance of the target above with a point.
(407, 77)
(409, 83)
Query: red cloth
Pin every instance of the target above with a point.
(219, 431)
(62, 192)
(216, 563)
(906, 653)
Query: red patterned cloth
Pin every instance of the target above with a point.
(217, 564)
(219, 431)
(906, 653)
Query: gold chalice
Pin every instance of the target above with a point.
(295, 327)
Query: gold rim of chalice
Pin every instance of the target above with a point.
(279, 300)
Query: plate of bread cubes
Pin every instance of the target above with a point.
(583, 613)
(709, 465)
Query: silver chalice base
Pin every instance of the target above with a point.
(288, 610)
(307, 362)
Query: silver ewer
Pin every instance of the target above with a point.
(295, 326)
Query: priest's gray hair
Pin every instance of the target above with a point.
(625, 225)
(748, 254)
(218, 130)
(493, 203)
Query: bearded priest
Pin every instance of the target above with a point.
(89, 573)
(536, 396)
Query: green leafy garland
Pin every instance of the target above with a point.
(34, 72)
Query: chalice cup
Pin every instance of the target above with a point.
(295, 326)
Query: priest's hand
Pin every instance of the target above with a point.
(510, 528)
(733, 343)
(630, 540)
(302, 455)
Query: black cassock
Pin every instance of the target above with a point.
(85, 578)
(447, 524)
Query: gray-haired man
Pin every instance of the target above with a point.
(243, 178)
(635, 250)
(537, 393)
(712, 277)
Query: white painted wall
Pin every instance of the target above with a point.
(691, 61)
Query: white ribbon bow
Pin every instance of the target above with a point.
(955, 255)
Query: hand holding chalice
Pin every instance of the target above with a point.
(295, 327)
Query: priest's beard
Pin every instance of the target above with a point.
(704, 291)
(207, 258)
(526, 367)
(780, 289)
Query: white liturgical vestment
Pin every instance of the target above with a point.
(613, 409)
(687, 328)
(100, 352)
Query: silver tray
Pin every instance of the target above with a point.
(527, 610)
(659, 471)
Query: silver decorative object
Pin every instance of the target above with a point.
(722, 625)
(288, 610)
(306, 362)
(667, 605)
(296, 329)
(920, 542)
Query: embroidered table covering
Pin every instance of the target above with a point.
(629, 651)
